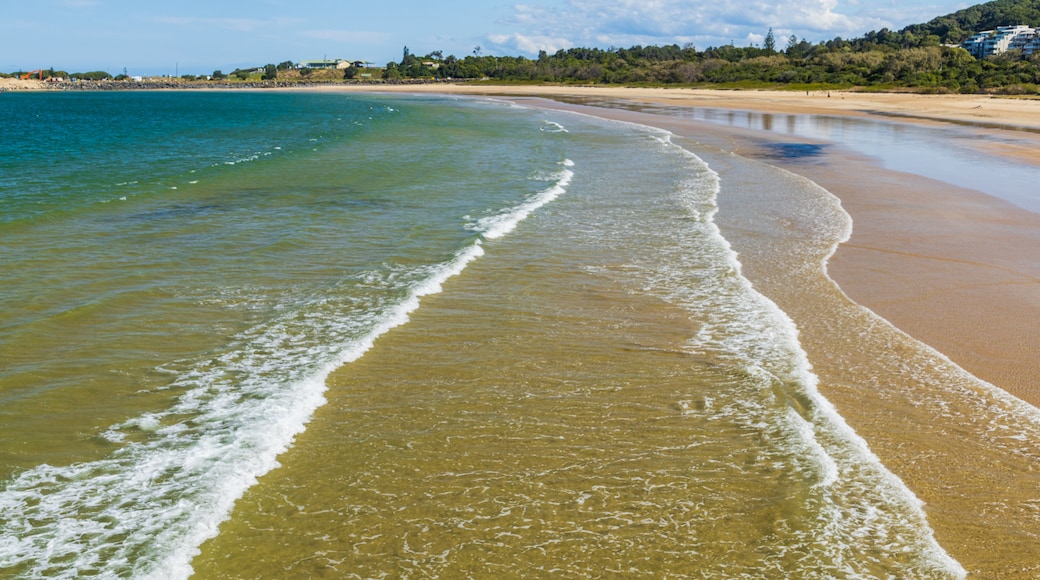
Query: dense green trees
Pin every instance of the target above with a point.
(883, 59)
(99, 75)
(958, 26)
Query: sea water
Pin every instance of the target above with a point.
(373, 336)
(947, 152)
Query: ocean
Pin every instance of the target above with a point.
(287, 334)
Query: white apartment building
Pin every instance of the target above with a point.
(991, 42)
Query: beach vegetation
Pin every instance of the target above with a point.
(99, 75)
(770, 42)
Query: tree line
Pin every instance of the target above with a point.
(882, 59)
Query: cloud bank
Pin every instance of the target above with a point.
(703, 23)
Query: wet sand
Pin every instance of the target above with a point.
(953, 268)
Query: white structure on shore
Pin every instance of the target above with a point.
(992, 42)
(338, 63)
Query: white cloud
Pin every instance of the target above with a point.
(513, 43)
(703, 22)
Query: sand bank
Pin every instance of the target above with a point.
(10, 84)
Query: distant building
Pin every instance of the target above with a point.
(320, 63)
(992, 42)
(338, 63)
(1028, 44)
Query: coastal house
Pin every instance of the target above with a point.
(319, 64)
(993, 42)
(338, 63)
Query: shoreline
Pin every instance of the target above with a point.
(949, 266)
(1001, 113)
(926, 262)
(902, 265)
(952, 260)
(993, 111)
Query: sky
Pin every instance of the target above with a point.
(178, 37)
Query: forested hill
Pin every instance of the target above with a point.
(957, 27)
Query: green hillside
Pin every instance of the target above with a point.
(960, 25)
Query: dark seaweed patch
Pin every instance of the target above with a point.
(792, 151)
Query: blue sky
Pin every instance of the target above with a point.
(151, 37)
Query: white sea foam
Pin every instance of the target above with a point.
(144, 510)
(857, 494)
(553, 127)
(169, 492)
(502, 223)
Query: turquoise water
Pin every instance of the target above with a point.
(183, 273)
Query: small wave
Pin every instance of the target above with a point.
(553, 127)
(845, 476)
(180, 471)
(498, 225)
(144, 510)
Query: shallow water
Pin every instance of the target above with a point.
(949, 153)
(419, 336)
